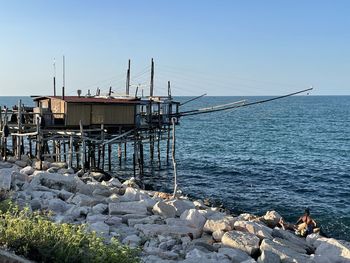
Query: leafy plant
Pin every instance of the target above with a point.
(34, 236)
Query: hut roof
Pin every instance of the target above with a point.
(77, 99)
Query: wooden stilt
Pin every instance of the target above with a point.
(158, 147)
(109, 157)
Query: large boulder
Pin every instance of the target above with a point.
(154, 219)
(43, 166)
(100, 228)
(28, 170)
(332, 250)
(268, 257)
(21, 164)
(241, 240)
(55, 181)
(285, 253)
(219, 223)
(131, 194)
(167, 230)
(81, 200)
(57, 205)
(290, 236)
(164, 209)
(271, 218)
(4, 165)
(99, 208)
(113, 182)
(181, 205)
(122, 208)
(235, 255)
(5, 178)
(194, 218)
(254, 228)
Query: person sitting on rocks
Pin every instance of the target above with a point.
(305, 224)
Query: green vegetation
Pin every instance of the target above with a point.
(34, 236)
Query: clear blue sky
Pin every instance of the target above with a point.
(218, 47)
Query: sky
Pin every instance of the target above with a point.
(218, 47)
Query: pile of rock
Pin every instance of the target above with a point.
(167, 230)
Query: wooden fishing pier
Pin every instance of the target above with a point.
(86, 132)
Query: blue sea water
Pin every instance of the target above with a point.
(284, 155)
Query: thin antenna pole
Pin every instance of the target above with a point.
(152, 76)
(64, 76)
(128, 79)
(54, 77)
(169, 90)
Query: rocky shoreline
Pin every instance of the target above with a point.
(165, 229)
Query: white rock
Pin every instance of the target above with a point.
(217, 235)
(65, 171)
(131, 183)
(286, 254)
(254, 228)
(93, 218)
(78, 211)
(45, 165)
(332, 250)
(131, 194)
(271, 218)
(5, 178)
(268, 257)
(290, 236)
(35, 204)
(52, 170)
(100, 228)
(59, 165)
(199, 204)
(64, 195)
(113, 198)
(167, 230)
(21, 163)
(181, 205)
(57, 205)
(101, 192)
(241, 240)
(43, 195)
(81, 200)
(113, 221)
(126, 217)
(55, 181)
(5, 165)
(20, 176)
(163, 209)
(194, 218)
(122, 208)
(235, 255)
(99, 208)
(132, 240)
(28, 170)
(154, 219)
(222, 223)
(115, 182)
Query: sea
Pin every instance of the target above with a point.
(285, 155)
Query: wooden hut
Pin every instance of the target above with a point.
(92, 111)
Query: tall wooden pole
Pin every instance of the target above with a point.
(127, 91)
(54, 77)
(19, 120)
(152, 79)
(64, 77)
(173, 158)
